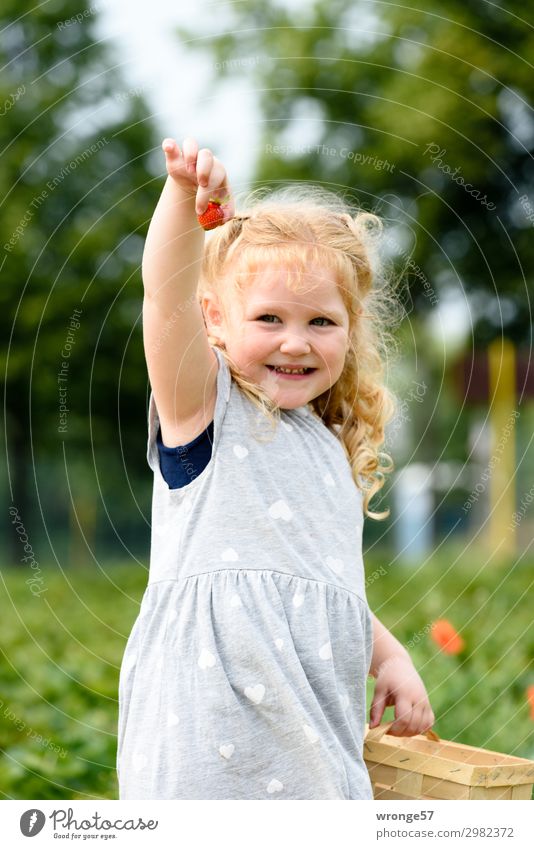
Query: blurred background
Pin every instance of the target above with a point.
(422, 116)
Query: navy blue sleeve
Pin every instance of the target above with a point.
(180, 465)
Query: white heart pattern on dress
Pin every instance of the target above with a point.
(345, 701)
(287, 425)
(227, 751)
(235, 601)
(298, 600)
(229, 555)
(329, 480)
(325, 652)
(240, 452)
(335, 564)
(279, 644)
(206, 659)
(274, 786)
(280, 510)
(255, 694)
(310, 733)
(172, 719)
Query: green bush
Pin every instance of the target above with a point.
(59, 680)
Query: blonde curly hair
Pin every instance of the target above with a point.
(296, 227)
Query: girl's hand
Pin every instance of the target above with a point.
(199, 172)
(398, 683)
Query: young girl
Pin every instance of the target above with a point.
(244, 675)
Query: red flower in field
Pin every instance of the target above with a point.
(446, 637)
(530, 698)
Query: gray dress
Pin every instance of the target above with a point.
(244, 674)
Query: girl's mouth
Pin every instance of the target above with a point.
(292, 374)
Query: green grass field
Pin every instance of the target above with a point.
(61, 653)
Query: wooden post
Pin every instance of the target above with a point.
(503, 419)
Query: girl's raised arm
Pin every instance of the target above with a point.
(181, 365)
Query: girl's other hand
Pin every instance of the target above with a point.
(398, 683)
(199, 172)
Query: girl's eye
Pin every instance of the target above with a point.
(268, 316)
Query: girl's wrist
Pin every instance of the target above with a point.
(398, 655)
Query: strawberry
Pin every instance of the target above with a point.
(212, 217)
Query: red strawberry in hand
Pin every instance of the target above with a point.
(212, 217)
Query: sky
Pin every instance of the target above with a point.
(175, 80)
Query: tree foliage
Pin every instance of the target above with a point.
(422, 115)
(76, 195)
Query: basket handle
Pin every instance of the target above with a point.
(378, 732)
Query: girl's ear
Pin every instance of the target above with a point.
(213, 318)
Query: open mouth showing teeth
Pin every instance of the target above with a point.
(290, 370)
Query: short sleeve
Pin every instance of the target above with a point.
(224, 385)
(181, 464)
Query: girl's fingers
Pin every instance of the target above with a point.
(204, 166)
(216, 188)
(170, 148)
(420, 719)
(190, 150)
(403, 717)
(173, 157)
(378, 705)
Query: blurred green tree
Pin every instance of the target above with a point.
(76, 196)
(424, 115)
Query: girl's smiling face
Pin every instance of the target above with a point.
(272, 325)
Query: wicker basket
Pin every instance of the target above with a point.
(425, 767)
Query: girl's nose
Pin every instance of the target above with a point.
(294, 344)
